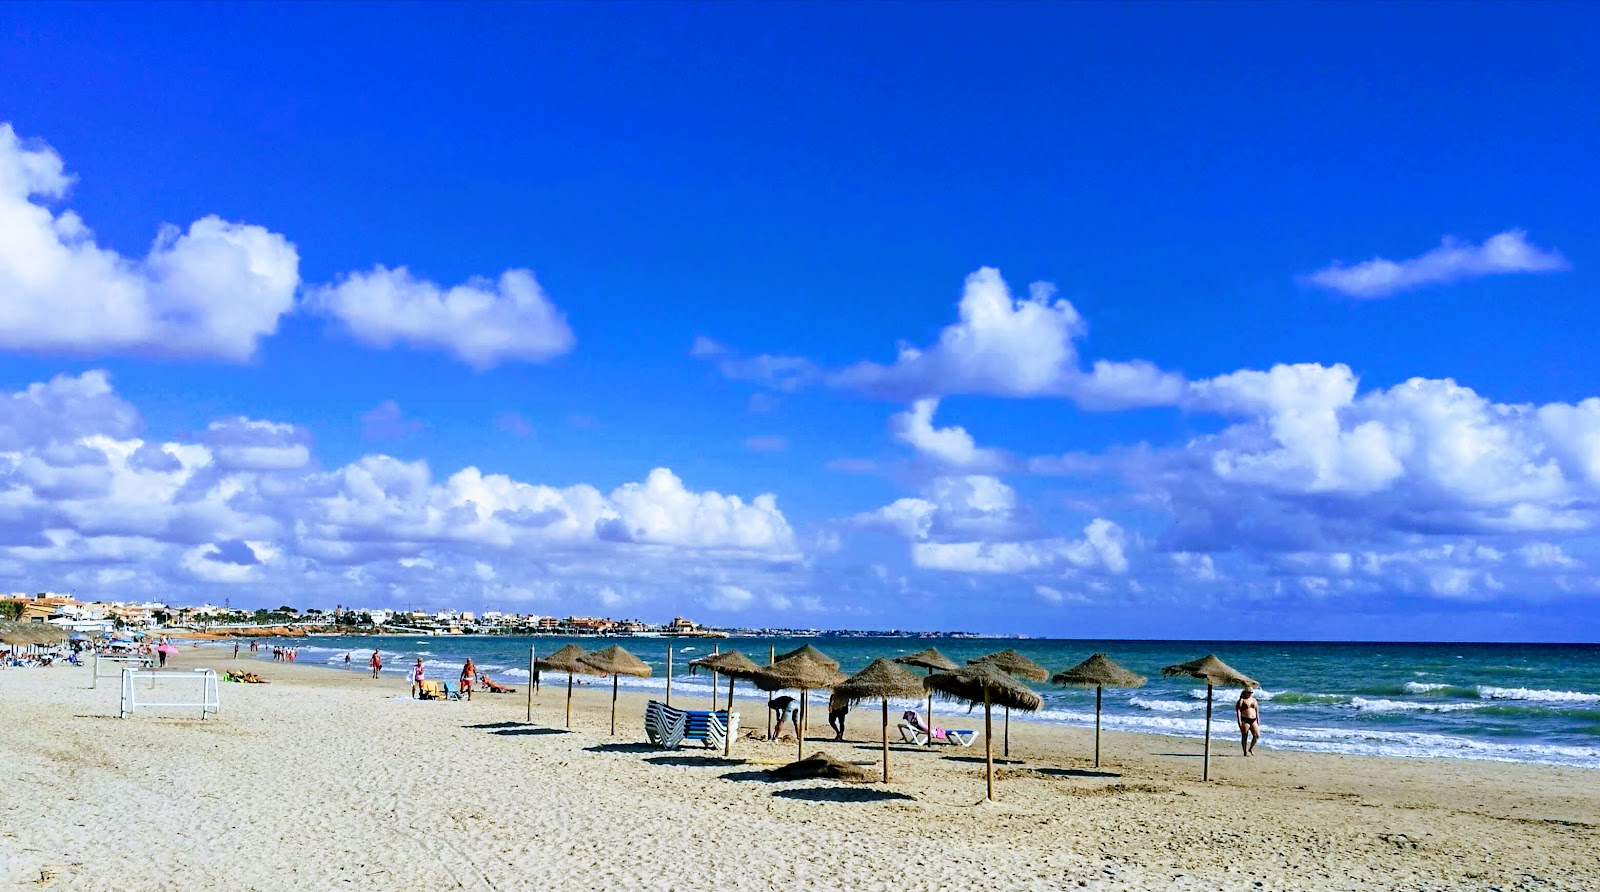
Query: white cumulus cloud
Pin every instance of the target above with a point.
(213, 290)
(482, 322)
(951, 446)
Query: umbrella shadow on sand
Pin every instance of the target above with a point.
(492, 726)
(529, 732)
(843, 794)
(1077, 772)
(695, 761)
(621, 748)
(980, 760)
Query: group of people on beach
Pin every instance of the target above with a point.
(285, 654)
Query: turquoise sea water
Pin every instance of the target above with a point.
(1504, 702)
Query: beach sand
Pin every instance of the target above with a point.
(331, 780)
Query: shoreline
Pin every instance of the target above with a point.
(1277, 736)
(330, 779)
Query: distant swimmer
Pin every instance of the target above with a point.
(1248, 709)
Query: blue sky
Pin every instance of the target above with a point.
(407, 305)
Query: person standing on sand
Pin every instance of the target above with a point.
(416, 678)
(236, 650)
(468, 673)
(377, 663)
(786, 707)
(1248, 710)
(837, 710)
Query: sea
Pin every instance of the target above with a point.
(1537, 703)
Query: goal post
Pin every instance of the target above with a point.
(203, 682)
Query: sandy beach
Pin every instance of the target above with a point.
(332, 780)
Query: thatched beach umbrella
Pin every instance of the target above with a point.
(1098, 672)
(1213, 672)
(564, 660)
(881, 680)
(933, 661)
(808, 651)
(984, 683)
(798, 673)
(734, 665)
(614, 661)
(1013, 663)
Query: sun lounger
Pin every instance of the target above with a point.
(668, 727)
(912, 730)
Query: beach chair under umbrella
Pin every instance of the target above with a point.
(734, 665)
(880, 681)
(1013, 663)
(616, 662)
(933, 661)
(984, 683)
(564, 660)
(802, 673)
(1213, 672)
(1099, 672)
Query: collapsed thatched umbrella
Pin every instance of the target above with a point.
(984, 683)
(734, 665)
(1013, 663)
(564, 660)
(1213, 672)
(614, 661)
(881, 680)
(1098, 672)
(798, 673)
(19, 634)
(933, 661)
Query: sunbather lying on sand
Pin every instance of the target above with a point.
(245, 677)
(493, 687)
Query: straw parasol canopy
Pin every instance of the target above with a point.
(734, 665)
(982, 682)
(881, 680)
(1099, 672)
(1213, 672)
(798, 672)
(809, 651)
(1011, 662)
(1020, 666)
(614, 661)
(564, 660)
(933, 661)
(928, 658)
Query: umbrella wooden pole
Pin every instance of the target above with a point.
(569, 701)
(530, 685)
(772, 652)
(727, 727)
(1008, 733)
(1205, 761)
(613, 706)
(930, 715)
(799, 734)
(988, 748)
(669, 675)
(886, 740)
(1097, 690)
(716, 650)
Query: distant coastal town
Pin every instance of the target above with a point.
(108, 617)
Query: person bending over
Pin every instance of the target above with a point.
(786, 707)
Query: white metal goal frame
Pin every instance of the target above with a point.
(209, 703)
(118, 663)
